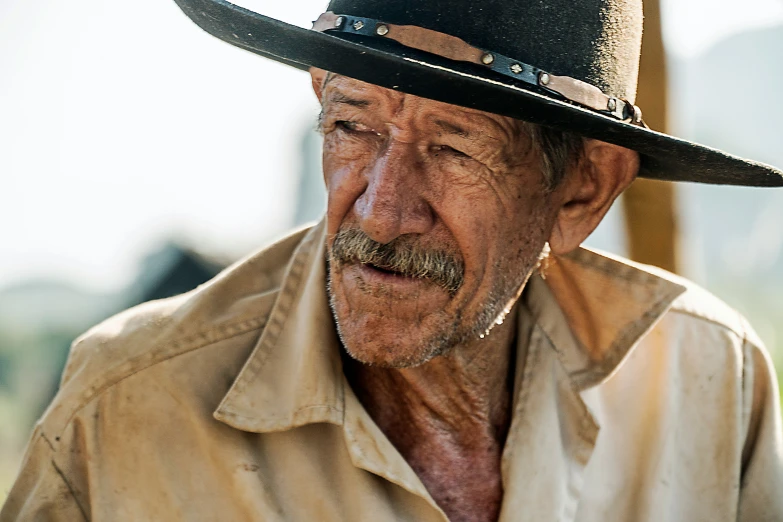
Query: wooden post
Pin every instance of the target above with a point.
(650, 206)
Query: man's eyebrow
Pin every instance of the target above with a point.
(339, 97)
(452, 128)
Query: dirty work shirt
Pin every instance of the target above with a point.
(639, 397)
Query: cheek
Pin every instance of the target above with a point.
(527, 234)
(509, 228)
(343, 166)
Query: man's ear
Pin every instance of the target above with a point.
(588, 190)
(318, 76)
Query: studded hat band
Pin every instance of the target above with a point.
(454, 48)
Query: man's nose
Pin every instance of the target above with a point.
(392, 203)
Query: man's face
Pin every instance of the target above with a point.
(436, 216)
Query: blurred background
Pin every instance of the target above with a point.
(139, 156)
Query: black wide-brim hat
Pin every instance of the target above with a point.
(564, 64)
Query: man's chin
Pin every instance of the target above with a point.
(393, 355)
(391, 324)
(392, 342)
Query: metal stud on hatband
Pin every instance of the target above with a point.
(544, 79)
(487, 59)
(358, 24)
(516, 68)
(637, 114)
(612, 104)
(339, 21)
(382, 30)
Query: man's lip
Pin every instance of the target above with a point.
(369, 289)
(376, 276)
(378, 271)
(384, 270)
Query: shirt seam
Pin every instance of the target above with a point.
(747, 417)
(615, 268)
(287, 424)
(70, 490)
(278, 317)
(95, 391)
(623, 344)
(741, 333)
(276, 321)
(532, 360)
(59, 472)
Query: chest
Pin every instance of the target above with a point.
(673, 460)
(288, 478)
(468, 487)
(300, 475)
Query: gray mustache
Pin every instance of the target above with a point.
(402, 255)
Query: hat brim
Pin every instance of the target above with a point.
(663, 157)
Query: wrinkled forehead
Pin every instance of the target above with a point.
(340, 90)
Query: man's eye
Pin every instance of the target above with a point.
(352, 126)
(449, 150)
(347, 125)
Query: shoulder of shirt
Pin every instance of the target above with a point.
(695, 302)
(236, 302)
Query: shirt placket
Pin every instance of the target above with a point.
(372, 451)
(550, 442)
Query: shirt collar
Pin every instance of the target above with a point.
(594, 308)
(591, 306)
(294, 375)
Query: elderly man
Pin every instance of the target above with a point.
(439, 347)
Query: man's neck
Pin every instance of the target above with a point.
(448, 418)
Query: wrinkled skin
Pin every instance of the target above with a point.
(400, 167)
(470, 184)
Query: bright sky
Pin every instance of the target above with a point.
(691, 26)
(122, 124)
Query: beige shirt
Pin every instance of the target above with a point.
(639, 397)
